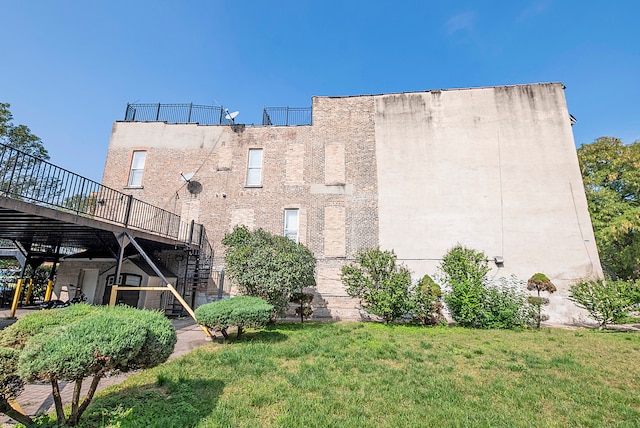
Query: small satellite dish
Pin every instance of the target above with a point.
(194, 187)
(188, 176)
(231, 116)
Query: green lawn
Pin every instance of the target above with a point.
(371, 375)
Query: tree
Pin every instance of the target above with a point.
(239, 311)
(540, 282)
(268, 266)
(73, 343)
(381, 285)
(611, 176)
(19, 136)
(607, 301)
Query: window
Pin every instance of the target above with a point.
(291, 224)
(137, 166)
(254, 168)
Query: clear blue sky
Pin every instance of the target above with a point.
(69, 67)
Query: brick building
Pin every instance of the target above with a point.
(491, 168)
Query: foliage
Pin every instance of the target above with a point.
(19, 136)
(268, 266)
(304, 310)
(239, 311)
(474, 301)
(506, 305)
(611, 175)
(464, 271)
(381, 285)
(347, 374)
(425, 302)
(80, 341)
(540, 282)
(607, 301)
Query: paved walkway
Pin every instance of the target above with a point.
(37, 398)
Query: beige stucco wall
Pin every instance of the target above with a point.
(494, 169)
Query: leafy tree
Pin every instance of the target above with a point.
(607, 301)
(381, 285)
(464, 271)
(239, 311)
(81, 341)
(268, 266)
(611, 176)
(304, 310)
(540, 282)
(19, 136)
(425, 302)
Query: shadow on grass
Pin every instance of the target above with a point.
(166, 403)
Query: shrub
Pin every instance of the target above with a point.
(540, 282)
(268, 266)
(607, 301)
(381, 285)
(11, 385)
(239, 311)
(66, 348)
(304, 300)
(464, 270)
(506, 305)
(474, 301)
(425, 302)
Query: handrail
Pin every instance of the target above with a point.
(30, 179)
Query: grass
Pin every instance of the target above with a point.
(371, 375)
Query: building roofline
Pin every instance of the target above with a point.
(438, 90)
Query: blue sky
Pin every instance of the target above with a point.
(70, 67)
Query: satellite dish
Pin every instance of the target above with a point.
(194, 187)
(231, 116)
(188, 176)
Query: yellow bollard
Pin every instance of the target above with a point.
(16, 298)
(47, 294)
(29, 291)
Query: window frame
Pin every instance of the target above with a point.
(136, 173)
(254, 168)
(288, 231)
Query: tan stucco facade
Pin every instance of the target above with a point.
(493, 168)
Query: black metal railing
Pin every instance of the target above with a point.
(286, 116)
(30, 179)
(177, 113)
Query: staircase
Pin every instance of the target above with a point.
(196, 275)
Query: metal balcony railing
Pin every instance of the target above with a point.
(177, 113)
(30, 179)
(286, 116)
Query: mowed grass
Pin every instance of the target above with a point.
(371, 375)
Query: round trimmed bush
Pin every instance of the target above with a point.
(239, 311)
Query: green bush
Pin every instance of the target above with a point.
(268, 266)
(239, 311)
(81, 341)
(607, 301)
(381, 285)
(475, 301)
(425, 302)
(506, 305)
(464, 271)
(17, 334)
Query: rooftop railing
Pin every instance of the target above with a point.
(212, 115)
(286, 116)
(30, 179)
(177, 113)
